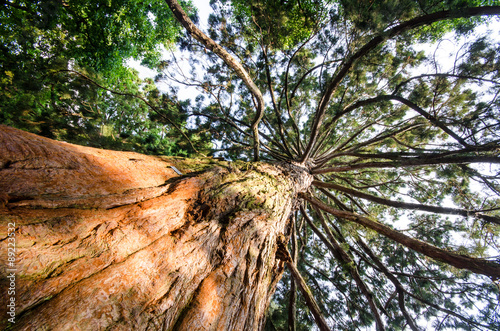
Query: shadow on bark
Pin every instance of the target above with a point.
(118, 240)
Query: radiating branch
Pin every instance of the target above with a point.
(149, 104)
(397, 284)
(375, 42)
(476, 265)
(347, 263)
(434, 120)
(320, 320)
(277, 111)
(411, 162)
(481, 79)
(234, 64)
(292, 302)
(408, 205)
(445, 310)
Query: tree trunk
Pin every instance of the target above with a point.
(119, 240)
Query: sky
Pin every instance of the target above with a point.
(444, 52)
(204, 11)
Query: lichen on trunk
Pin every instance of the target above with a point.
(118, 240)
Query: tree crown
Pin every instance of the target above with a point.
(401, 223)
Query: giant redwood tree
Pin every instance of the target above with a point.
(356, 183)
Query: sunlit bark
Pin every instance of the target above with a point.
(118, 240)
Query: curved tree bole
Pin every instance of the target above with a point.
(118, 240)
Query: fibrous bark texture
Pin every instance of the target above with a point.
(120, 241)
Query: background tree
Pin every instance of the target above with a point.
(64, 74)
(399, 229)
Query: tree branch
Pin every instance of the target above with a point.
(154, 108)
(400, 85)
(399, 288)
(427, 116)
(347, 263)
(275, 106)
(476, 265)
(375, 42)
(292, 302)
(230, 61)
(411, 162)
(408, 205)
(320, 320)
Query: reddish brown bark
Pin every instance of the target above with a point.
(118, 240)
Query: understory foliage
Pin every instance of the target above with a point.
(393, 106)
(63, 74)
